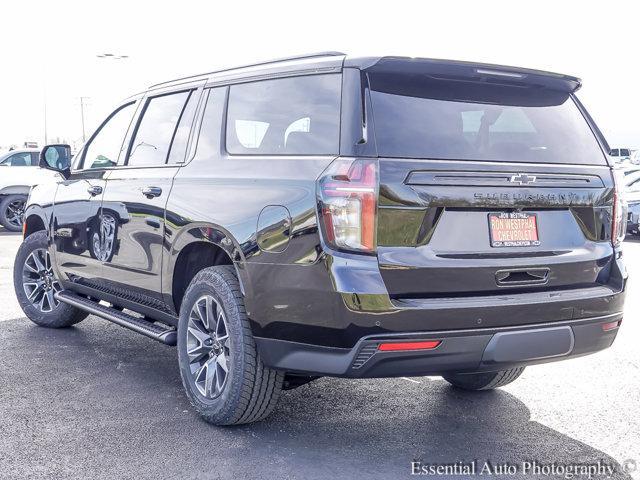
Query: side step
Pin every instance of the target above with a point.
(139, 325)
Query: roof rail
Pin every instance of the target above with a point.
(277, 60)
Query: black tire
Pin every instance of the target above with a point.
(8, 216)
(483, 381)
(60, 315)
(251, 389)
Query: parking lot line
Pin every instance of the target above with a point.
(410, 380)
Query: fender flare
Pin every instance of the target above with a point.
(207, 233)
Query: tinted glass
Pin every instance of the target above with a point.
(426, 118)
(104, 149)
(156, 129)
(181, 137)
(624, 152)
(287, 116)
(209, 137)
(19, 160)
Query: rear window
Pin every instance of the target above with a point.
(419, 117)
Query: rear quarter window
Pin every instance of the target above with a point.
(286, 116)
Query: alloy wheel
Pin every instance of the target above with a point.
(39, 282)
(208, 346)
(14, 213)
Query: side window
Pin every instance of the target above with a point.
(105, 147)
(156, 129)
(19, 160)
(35, 159)
(210, 129)
(286, 116)
(181, 137)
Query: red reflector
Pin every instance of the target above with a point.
(394, 347)
(606, 327)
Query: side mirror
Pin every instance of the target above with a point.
(56, 157)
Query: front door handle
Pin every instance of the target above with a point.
(151, 192)
(94, 190)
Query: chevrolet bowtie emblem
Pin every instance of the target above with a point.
(522, 178)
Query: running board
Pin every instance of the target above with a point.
(139, 325)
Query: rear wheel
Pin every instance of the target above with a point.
(36, 285)
(221, 370)
(12, 212)
(483, 381)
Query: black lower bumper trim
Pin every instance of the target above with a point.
(459, 351)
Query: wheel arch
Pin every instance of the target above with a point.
(196, 248)
(33, 223)
(36, 218)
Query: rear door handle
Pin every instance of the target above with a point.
(151, 192)
(94, 190)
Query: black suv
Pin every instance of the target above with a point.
(335, 216)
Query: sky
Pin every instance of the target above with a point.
(49, 50)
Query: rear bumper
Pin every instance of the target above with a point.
(342, 299)
(478, 350)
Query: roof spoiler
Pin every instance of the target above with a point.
(470, 71)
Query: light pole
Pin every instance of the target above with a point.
(82, 100)
(45, 117)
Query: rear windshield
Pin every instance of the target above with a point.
(423, 117)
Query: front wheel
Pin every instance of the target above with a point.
(483, 381)
(12, 212)
(36, 285)
(221, 370)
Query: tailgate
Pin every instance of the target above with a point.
(435, 234)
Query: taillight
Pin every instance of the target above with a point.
(348, 202)
(620, 209)
(607, 327)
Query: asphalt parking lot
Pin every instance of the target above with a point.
(98, 401)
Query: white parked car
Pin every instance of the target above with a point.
(19, 171)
